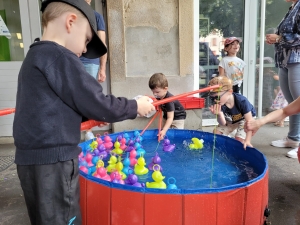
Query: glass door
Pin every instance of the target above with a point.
(19, 25)
(274, 12)
(218, 20)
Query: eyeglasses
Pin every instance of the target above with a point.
(217, 97)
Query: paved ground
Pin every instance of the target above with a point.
(284, 182)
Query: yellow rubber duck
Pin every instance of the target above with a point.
(119, 168)
(139, 167)
(197, 144)
(112, 163)
(117, 149)
(158, 181)
(94, 145)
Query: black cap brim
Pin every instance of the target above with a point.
(95, 48)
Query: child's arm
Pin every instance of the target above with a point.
(221, 71)
(170, 117)
(280, 114)
(247, 142)
(216, 109)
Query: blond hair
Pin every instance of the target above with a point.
(56, 9)
(158, 80)
(224, 82)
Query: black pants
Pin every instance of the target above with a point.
(51, 192)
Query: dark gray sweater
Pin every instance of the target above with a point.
(54, 93)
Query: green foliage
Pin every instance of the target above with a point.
(228, 16)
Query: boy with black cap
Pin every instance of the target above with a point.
(54, 94)
(232, 110)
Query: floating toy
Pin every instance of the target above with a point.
(94, 144)
(139, 167)
(126, 136)
(137, 136)
(100, 163)
(99, 140)
(95, 159)
(132, 157)
(102, 151)
(132, 180)
(126, 163)
(140, 151)
(117, 149)
(158, 180)
(130, 146)
(112, 163)
(197, 144)
(119, 168)
(123, 144)
(171, 183)
(108, 142)
(116, 177)
(102, 173)
(88, 159)
(167, 146)
(156, 160)
(83, 169)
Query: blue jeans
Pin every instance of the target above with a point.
(92, 69)
(289, 79)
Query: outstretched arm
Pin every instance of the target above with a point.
(280, 114)
(247, 142)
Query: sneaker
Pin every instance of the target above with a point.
(89, 135)
(293, 153)
(285, 143)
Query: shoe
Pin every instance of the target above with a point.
(89, 135)
(293, 153)
(285, 143)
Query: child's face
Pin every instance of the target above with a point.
(160, 92)
(220, 97)
(80, 34)
(233, 48)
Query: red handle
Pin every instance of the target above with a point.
(6, 111)
(89, 124)
(176, 97)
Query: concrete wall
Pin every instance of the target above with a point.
(146, 37)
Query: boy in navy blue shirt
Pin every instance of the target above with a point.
(232, 110)
(54, 94)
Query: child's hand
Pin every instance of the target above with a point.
(144, 106)
(162, 134)
(215, 109)
(246, 143)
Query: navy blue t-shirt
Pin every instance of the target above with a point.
(100, 26)
(241, 107)
(179, 111)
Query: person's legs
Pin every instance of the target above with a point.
(51, 192)
(290, 87)
(289, 83)
(92, 69)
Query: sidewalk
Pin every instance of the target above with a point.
(284, 182)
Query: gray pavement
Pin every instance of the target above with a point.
(284, 182)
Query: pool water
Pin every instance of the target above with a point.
(197, 169)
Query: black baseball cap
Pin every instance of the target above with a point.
(95, 47)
